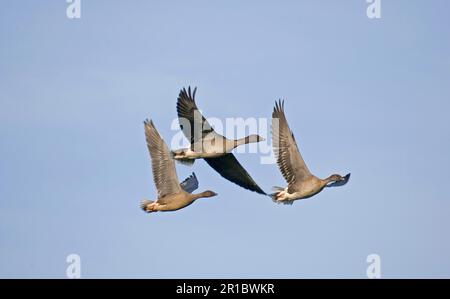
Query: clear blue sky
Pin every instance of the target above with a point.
(370, 97)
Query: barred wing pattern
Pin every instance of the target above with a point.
(163, 166)
(289, 159)
(192, 122)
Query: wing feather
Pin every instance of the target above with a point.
(193, 124)
(163, 166)
(289, 159)
(190, 184)
(230, 168)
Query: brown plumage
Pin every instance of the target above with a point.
(172, 195)
(301, 183)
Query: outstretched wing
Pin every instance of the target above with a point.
(230, 168)
(289, 159)
(190, 184)
(163, 166)
(192, 122)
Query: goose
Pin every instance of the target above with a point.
(172, 195)
(207, 144)
(301, 183)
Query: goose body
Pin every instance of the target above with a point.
(207, 144)
(301, 183)
(212, 145)
(172, 195)
(308, 189)
(172, 202)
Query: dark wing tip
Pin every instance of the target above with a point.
(230, 168)
(193, 176)
(187, 95)
(278, 110)
(260, 191)
(186, 101)
(149, 122)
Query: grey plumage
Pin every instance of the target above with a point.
(190, 184)
(195, 127)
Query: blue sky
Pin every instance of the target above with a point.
(365, 96)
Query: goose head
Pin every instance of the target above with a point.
(208, 193)
(336, 180)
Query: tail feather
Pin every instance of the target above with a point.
(145, 203)
(184, 161)
(275, 199)
(285, 202)
(187, 162)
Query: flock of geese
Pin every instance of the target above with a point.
(216, 150)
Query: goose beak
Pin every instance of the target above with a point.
(345, 179)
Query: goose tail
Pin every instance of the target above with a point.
(185, 161)
(145, 205)
(275, 194)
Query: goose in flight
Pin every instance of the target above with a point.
(301, 183)
(206, 143)
(172, 195)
